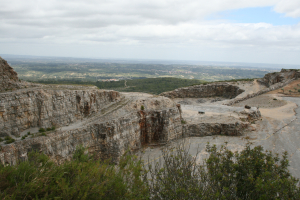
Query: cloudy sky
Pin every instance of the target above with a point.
(257, 31)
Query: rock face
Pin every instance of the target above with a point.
(8, 77)
(46, 108)
(236, 128)
(208, 129)
(202, 91)
(108, 139)
(279, 77)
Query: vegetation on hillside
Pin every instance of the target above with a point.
(249, 174)
(149, 85)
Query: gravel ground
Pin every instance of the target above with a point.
(262, 101)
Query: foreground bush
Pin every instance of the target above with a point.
(250, 174)
(83, 178)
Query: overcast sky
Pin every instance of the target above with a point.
(258, 31)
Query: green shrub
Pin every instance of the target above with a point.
(28, 133)
(43, 134)
(7, 138)
(9, 141)
(249, 174)
(183, 122)
(79, 154)
(48, 129)
(41, 178)
(1, 140)
(53, 128)
(142, 107)
(41, 130)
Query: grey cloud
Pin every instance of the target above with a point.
(162, 24)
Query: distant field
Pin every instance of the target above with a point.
(149, 85)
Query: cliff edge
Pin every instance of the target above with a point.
(8, 77)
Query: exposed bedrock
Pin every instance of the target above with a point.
(208, 129)
(233, 128)
(201, 91)
(46, 108)
(103, 139)
(279, 77)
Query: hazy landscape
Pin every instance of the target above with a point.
(40, 68)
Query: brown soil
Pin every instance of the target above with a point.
(287, 88)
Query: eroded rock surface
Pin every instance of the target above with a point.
(104, 139)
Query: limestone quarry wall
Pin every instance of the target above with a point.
(46, 108)
(201, 91)
(236, 128)
(208, 129)
(103, 139)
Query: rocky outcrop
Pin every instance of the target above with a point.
(279, 77)
(235, 128)
(46, 108)
(8, 77)
(202, 91)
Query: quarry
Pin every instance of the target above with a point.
(108, 122)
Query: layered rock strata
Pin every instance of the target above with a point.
(202, 91)
(236, 128)
(46, 108)
(108, 139)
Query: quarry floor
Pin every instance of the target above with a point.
(278, 129)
